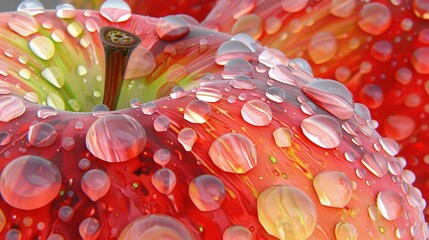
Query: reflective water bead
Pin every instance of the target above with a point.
(346, 231)
(276, 94)
(149, 108)
(177, 92)
(271, 57)
(230, 50)
(95, 184)
(421, 9)
(322, 47)
(187, 138)
(116, 138)
(66, 213)
(404, 75)
(172, 28)
(256, 113)
(164, 180)
(23, 24)
(54, 76)
(420, 60)
(161, 123)
(282, 74)
(272, 25)
(286, 212)
(32, 7)
(162, 156)
(376, 163)
(389, 145)
(30, 182)
(283, 137)
(237, 67)
(237, 232)
(375, 18)
(89, 228)
(294, 6)
(382, 51)
(208, 94)
(322, 130)
(11, 107)
(207, 192)
(250, 24)
(197, 111)
(399, 127)
(42, 47)
(242, 82)
(371, 95)
(233, 152)
(5, 138)
(390, 204)
(13, 234)
(247, 40)
(342, 8)
(41, 135)
(65, 11)
(115, 10)
(333, 188)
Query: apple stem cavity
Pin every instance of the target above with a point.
(118, 47)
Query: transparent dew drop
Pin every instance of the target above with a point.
(272, 25)
(375, 163)
(322, 47)
(242, 82)
(23, 24)
(207, 192)
(237, 232)
(245, 7)
(42, 47)
(375, 18)
(395, 167)
(116, 138)
(5, 138)
(342, 8)
(161, 123)
(197, 111)
(164, 180)
(13, 234)
(155, 226)
(30, 182)
(230, 50)
(390, 204)
(100, 110)
(177, 92)
(149, 108)
(208, 94)
(283, 137)
(342, 73)
(68, 143)
(250, 24)
(203, 45)
(115, 11)
(162, 156)
(95, 184)
(66, 213)
(399, 127)
(276, 94)
(256, 113)
(346, 231)
(382, 51)
(332, 96)
(294, 6)
(55, 236)
(66, 11)
(89, 228)
(421, 9)
(420, 60)
(389, 145)
(237, 67)
(84, 164)
(247, 40)
(187, 138)
(233, 152)
(333, 188)
(172, 28)
(135, 103)
(414, 196)
(283, 74)
(362, 111)
(322, 130)
(272, 57)
(142, 63)
(4, 87)
(32, 7)
(286, 212)
(41, 135)
(54, 76)
(74, 29)
(11, 107)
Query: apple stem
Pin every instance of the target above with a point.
(118, 46)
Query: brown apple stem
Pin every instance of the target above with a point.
(118, 46)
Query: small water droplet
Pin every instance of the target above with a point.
(390, 204)
(95, 184)
(177, 92)
(207, 192)
(32, 7)
(250, 24)
(346, 231)
(161, 123)
(343, 9)
(54, 76)
(65, 213)
(41, 135)
(172, 28)
(322, 130)
(237, 232)
(333, 188)
(197, 111)
(187, 138)
(375, 18)
(322, 47)
(46, 111)
(237, 67)
(276, 94)
(65, 11)
(115, 10)
(376, 163)
(257, 113)
(272, 57)
(43, 47)
(74, 29)
(11, 107)
(230, 50)
(162, 156)
(68, 143)
(242, 82)
(5, 138)
(208, 94)
(283, 74)
(164, 180)
(420, 60)
(149, 108)
(382, 51)
(89, 228)
(283, 137)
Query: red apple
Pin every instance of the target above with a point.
(231, 139)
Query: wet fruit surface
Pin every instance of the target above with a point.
(217, 137)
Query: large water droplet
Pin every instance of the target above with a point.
(322, 47)
(162, 156)
(43, 47)
(32, 7)
(207, 192)
(54, 76)
(155, 226)
(332, 96)
(390, 204)
(230, 50)
(272, 57)
(164, 180)
(30, 182)
(115, 10)
(375, 18)
(89, 228)
(41, 135)
(23, 24)
(208, 94)
(116, 138)
(242, 82)
(282, 74)
(389, 145)
(197, 111)
(172, 28)
(95, 184)
(333, 188)
(65, 11)
(236, 67)
(376, 163)
(322, 130)
(233, 152)
(276, 94)
(286, 212)
(346, 231)
(257, 113)
(11, 107)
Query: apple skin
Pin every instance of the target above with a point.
(131, 193)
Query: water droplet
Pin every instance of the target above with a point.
(272, 25)
(294, 6)
(333, 188)
(342, 73)
(390, 204)
(156, 226)
(376, 163)
(66, 213)
(247, 40)
(43, 47)
(11, 107)
(389, 145)
(342, 8)
(230, 50)
(89, 228)
(237, 67)
(322, 47)
(30, 182)
(382, 51)
(414, 196)
(172, 28)
(162, 156)
(322, 130)
(208, 94)
(375, 18)
(250, 24)
(237, 232)
(65, 11)
(243, 8)
(346, 231)
(233, 152)
(54, 76)
(177, 92)
(84, 164)
(149, 108)
(24, 73)
(242, 82)
(276, 94)
(420, 60)
(332, 96)
(283, 137)
(95, 184)
(115, 10)
(81, 70)
(197, 111)
(23, 24)
(399, 127)
(142, 63)
(13, 234)
(58, 35)
(257, 113)
(272, 57)
(5, 138)
(74, 29)
(395, 167)
(286, 212)
(404, 75)
(2, 220)
(421, 9)
(46, 111)
(371, 95)
(161, 123)
(55, 236)
(164, 180)
(282, 74)
(32, 7)
(41, 135)
(207, 192)
(116, 138)
(187, 138)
